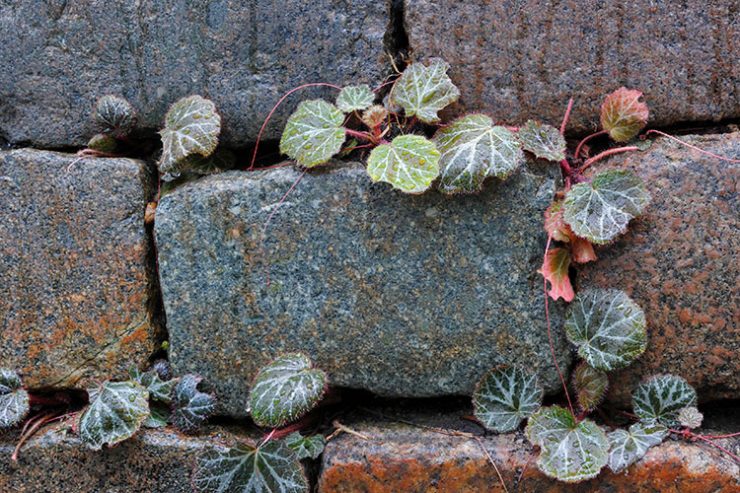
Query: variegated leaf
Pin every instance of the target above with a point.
(190, 406)
(600, 210)
(313, 133)
(504, 397)
(116, 411)
(623, 115)
(14, 399)
(472, 149)
(374, 116)
(270, 468)
(627, 447)
(570, 451)
(285, 390)
(661, 397)
(690, 417)
(159, 390)
(309, 447)
(608, 328)
(409, 163)
(355, 98)
(159, 416)
(191, 126)
(542, 140)
(423, 90)
(590, 385)
(115, 114)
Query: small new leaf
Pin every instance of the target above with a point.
(623, 115)
(472, 149)
(555, 224)
(409, 163)
(159, 390)
(422, 90)
(690, 417)
(555, 270)
(570, 451)
(608, 328)
(116, 411)
(158, 416)
(374, 116)
(309, 447)
(661, 397)
(627, 447)
(285, 390)
(191, 126)
(104, 143)
(115, 114)
(14, 400)
(313, 133)
(591, 386)
(355, 98)
(504, 397)
(270, 468)
(600, 210)
(542, 140)
(191, 407)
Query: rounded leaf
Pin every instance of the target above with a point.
(608, 328)
(623, 115)
(159, 390)
(600, 210)
(374, 115)
(355, 98)
(409, 163)
(116, 411)
(14, 400)
(423, 90)
(504, 397)
(191, 407)
(104, 143)
(627, 447)
(542, 140)
(191, 126)
(661, 397)
(690, 417)
(313, 133)
(285, 390)
(591, 386)
(472, 149)
(309, 447)
(115, 114)
(555, 224)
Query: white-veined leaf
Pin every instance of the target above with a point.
(159, 416)
(14, 400)
(423, 90)
(115, 114)
(116, 411)
(309, 447)
(285, 390)
(191, 126)
(191, 407)
(271, 468)
(690, 417)
(472, 149)
(569, 451)
(627, 447)
(601, 210)
(313, 133)
(159, 390)
(661, 397)
(542, 140)
(355, 98)
(504, 397)
(409, 163)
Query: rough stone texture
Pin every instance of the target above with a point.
(73, 267)
(402, 458)
(679, 263)
(63, 55)
(402, 295)
(524, 59)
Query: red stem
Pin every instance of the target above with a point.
(689, 434)
(716, 437)
(608, 152)
(566, 116)
(586, 139)
(717, 156)
(359, 135)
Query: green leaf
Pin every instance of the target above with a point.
(422, 90)
(504, 397)
(159, 390)
(591, 386)
(542, 140)
(608, 328)
(355, 98)
(690, 417)
(191, 407)
(285, 390)
(220, 160)
(309, 447)
(159, 416)
(570, 451)
(627, 447)
(661, 397)
(104, 143)
(191, 126)
(116, 411)
(115, 114)
(409, 163)
(623, 115)
(472, 149)
(14, 400)
(313, 133)
(601, 210)
(271, 468)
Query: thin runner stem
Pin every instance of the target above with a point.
(586, 139)
(717, 156)
(490, 459)
(608, 152)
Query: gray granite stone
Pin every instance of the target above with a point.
(401, 295)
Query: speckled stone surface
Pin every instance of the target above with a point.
(679, 262)
(60, 56)
(73, 267)
(523, 59)
(401, 295)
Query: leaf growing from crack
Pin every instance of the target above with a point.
(600, 210)
(355, 98)
(623, 115)
(409, 163)
(313, 133)
(506, 396)
(309, 447)
(159, 415)
(270, 468)
(14, 400)
(116, 411)
(542, 140)
(608, 328)
(220, 160)
(570, 451)
(159, 390)
(591, 386)
(191, 407)
(285, 390)
(472, 149)
(422, 90)
(627, 447)
(191, 126)
(661, 397)
(690, 417)
(555, 270)
(555, 224)
(374, 116)
(115, 115)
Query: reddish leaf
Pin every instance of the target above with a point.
(555, 270)
(623, 115)
(555, 224)
(581, 248)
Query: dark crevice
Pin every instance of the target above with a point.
(396, 39)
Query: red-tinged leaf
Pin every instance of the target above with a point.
(623, 115)
(581, 249)
(555, 224)
(555, 270)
